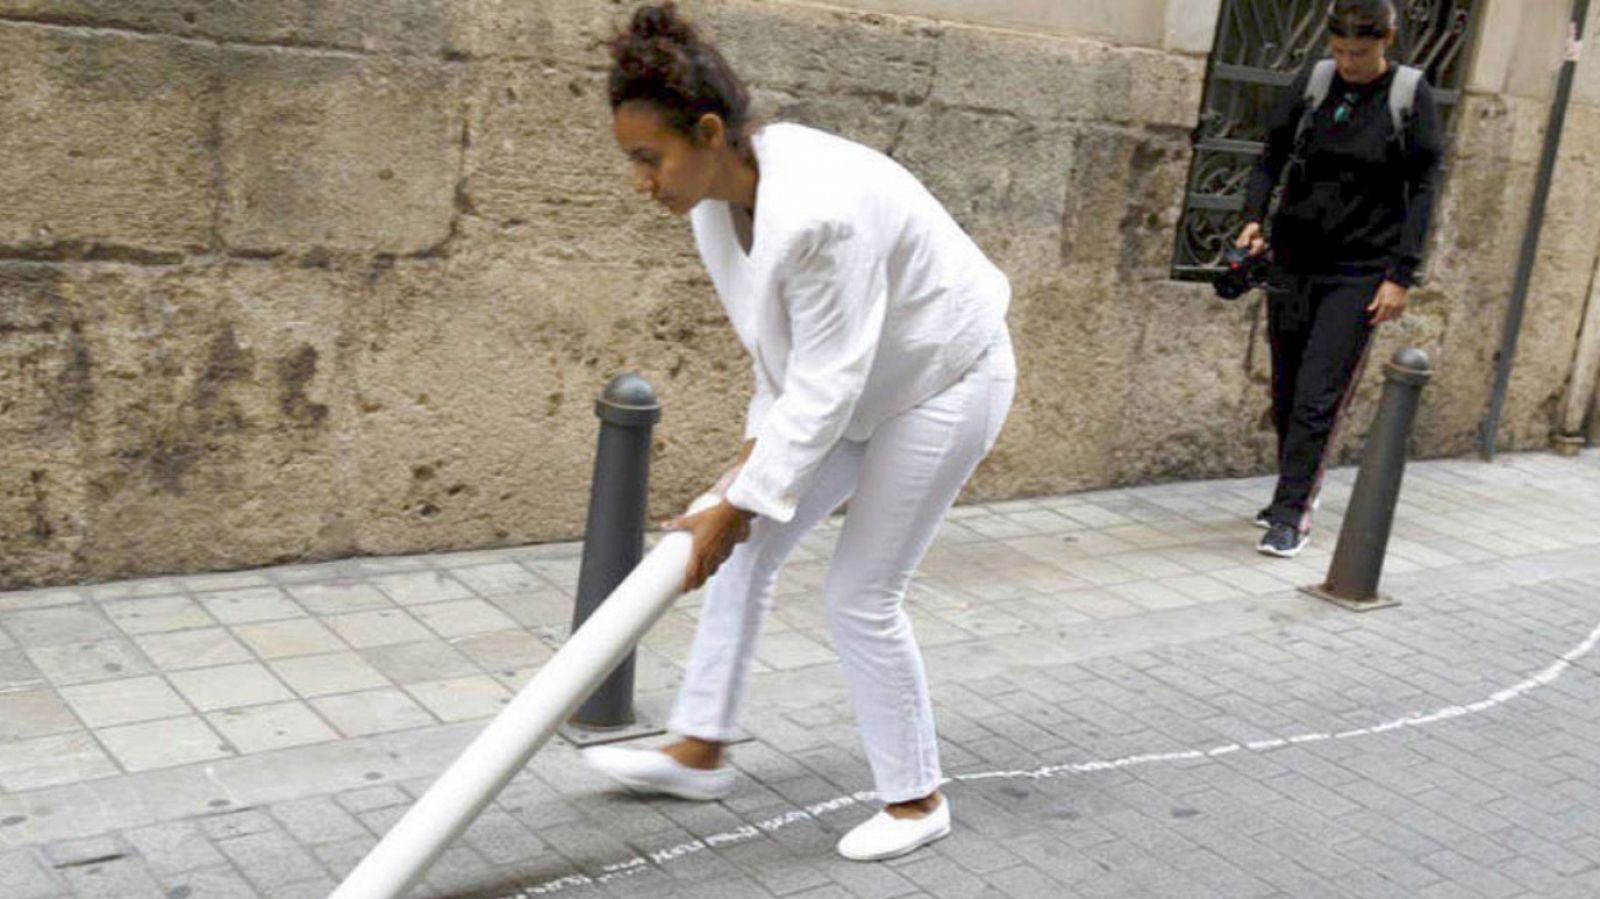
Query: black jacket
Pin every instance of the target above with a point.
(1360, 203)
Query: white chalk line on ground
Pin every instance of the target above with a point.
(641, 863)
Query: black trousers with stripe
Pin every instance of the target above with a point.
(1320, 330)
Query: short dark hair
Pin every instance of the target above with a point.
(1362, 18)
(660, 58)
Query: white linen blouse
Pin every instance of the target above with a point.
(859, 299)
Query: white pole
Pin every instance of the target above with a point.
(504, 747)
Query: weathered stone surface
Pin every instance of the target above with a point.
(1035, 77)
(334, 152)
(1481, 223)
(356, 291)
(1560, 286)
(1139, 22)
(203, 416)
(545, 181)
(802, 51)
(105, 144)
(399, 26)
(1541, 34)
(1586, 82)
(47, 386)
(1191, 25)
(546, 33)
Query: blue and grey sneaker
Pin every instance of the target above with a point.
(1283, 540)
(1263, 519)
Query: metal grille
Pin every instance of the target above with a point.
(1261, 45)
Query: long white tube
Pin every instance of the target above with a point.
(504, 747)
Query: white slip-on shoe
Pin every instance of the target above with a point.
(653, 771)
(881, 836)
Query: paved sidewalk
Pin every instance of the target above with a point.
(1132, 701)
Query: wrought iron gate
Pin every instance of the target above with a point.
(1261, 45)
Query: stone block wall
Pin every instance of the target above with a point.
(303, 279)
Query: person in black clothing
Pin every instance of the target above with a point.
(1346, 241)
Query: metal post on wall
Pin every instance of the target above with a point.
(1489, 433)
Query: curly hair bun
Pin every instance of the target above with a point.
(660, 58)
(662, 21)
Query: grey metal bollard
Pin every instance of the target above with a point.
(1358, 559)
(613, 543)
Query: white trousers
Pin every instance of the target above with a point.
(900, 482)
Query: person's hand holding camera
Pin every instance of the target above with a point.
(1252, 239)
(1389, 304)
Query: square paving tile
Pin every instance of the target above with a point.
(62, 624)
(40, 599)
(295, 637)
(250, 605)
(316, 572)
(209, 883)
(421, 587)
(339, 672)
(339, 598)
(462, 617)
(135, 589)
(164, 744)
(124, 701)
(792, 651)
(368, 566)
(560, 572)
(365, 629)
(263, 727)
(173, 846)
(409, 663)
(229, 686)
(514, 679)
(228, 580)
(79, 663)
(193, 649)
(372, 712)
(33, 713)
(539, 608)
(17, 671)
(503, 650)
(502, 577)
(49, 761)
(158, 615)
(461, 698)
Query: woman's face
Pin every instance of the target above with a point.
(675, 171)
(1360, 59)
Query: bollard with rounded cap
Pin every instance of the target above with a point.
(630, 401)
(1364, 539)
(613, 543)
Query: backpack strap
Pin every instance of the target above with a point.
(1403, 99)
(1317, 88)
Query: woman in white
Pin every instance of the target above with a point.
(883, 373)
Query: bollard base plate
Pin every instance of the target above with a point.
(1381, 601)
(582, 735)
